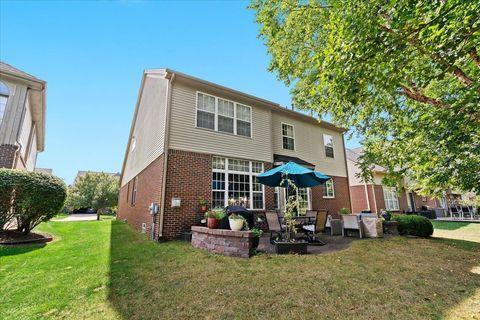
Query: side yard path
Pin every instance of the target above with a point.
(105, 270)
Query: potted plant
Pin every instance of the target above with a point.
(257, 233)
(287, 242)
(213, 217)
(344, 211)
(236, 222)
(203, 205)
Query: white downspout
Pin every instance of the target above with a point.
(165, 154)
(366, 195)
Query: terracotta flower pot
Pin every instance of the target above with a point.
(203, 209)
(212, 223)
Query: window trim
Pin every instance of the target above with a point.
(324, 146)
(293, 130)
(216, 114)
(250, 173)
(333, 190)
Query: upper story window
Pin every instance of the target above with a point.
(391, 199)
(288, 137)
(4, 94)
(328, 144)
(329, 189)
(222, 115)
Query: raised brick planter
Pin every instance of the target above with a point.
(224, 242)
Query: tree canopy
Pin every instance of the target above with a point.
(405, 75)
(94, 190)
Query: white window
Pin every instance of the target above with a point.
(276, 197)
(234, 183)
(134, 191)
(4, 94)
(222, 115)
(329, 189)
(288, 137)
(328, 145)
(304, 196)
(304, 200)
(133, 144)
(391, 199)
(205, 111)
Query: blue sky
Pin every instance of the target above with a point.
(92, 55)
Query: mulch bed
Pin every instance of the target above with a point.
(11, 237)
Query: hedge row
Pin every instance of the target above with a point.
(29, 198)
(413, 225)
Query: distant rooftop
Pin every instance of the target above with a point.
(354, 154)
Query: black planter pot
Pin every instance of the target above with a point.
(299, 247)
(255, 242)
(186, 236)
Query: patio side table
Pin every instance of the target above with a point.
(336, 227)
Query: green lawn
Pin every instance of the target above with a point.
(104, 270)
(457, 230)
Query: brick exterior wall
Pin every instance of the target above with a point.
(189, 177)
(7, 155)
(341, 200)
(149, 189)
(358, 198)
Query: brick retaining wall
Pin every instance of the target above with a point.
(224, 242)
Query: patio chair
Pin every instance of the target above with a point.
(317, 227)
(454, 210)
(467, 212)
(334, 226)
(273, 223)
(351, 222)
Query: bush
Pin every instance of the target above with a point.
(413, 225)
(29, 197)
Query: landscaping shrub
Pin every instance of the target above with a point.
(29, 197)
(413, 225)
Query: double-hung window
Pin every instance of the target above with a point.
(391, 199)
(329, 189)
(223, 115)
(234, 182)
(134, 191)
(288, 137)
(4, 93)
(205, 111)
(328, 145)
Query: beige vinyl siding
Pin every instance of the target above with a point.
(149, 127)
(184, 135)
(12, 118)
(309, 144)
(352, 172)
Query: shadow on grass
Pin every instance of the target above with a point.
(11, 250)
(431, 278)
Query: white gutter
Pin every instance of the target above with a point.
(165, 154)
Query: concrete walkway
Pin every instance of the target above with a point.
(81, 217)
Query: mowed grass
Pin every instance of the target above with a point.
(105, 270)
(457, 230)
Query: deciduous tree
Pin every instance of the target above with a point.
(405, 75)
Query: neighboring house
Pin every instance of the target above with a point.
(44, 170)
(22, 118)
(81, 173)
(376, 197)
(191, 139)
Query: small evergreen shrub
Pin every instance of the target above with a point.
(413, 225)
(29, 197)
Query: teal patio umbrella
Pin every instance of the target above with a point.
(302, 177)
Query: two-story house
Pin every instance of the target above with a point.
(22, 118)
(374, 196)
(191, 139)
